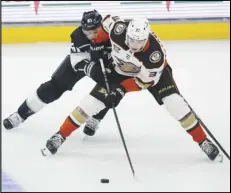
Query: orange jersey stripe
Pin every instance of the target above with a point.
(130, 85)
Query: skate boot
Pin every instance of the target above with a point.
(12, 121)
(91, 126)
(53, 144)
(211, 150)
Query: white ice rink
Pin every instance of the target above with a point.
(164, 156)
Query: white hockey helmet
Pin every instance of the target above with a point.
(137, 34)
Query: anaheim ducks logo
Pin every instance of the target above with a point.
(103, 91)
(155, 57)
(127, 67)
(119, 28)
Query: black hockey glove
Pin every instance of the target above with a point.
(97, 51)
(115, 96)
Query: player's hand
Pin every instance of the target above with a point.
(115, 96)
(97, 51)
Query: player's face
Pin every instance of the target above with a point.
(135, 45)
(91, 34)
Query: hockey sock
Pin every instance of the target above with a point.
(68, 127)
(192, 126)
(197, 133)
(24, 111)
(30, 106)
(73, 122)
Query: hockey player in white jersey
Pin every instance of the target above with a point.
(139, 61)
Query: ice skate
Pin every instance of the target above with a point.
(211, 150)
(53, 144)
(12, 121)
(91, 126)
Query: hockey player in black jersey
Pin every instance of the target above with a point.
(69, 72)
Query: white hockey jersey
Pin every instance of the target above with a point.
(146, 66)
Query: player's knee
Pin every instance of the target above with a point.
(176, 106)
(50, 91)
(91, 105)
(179, 109)
(88, 107)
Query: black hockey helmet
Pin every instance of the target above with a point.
(91, 20)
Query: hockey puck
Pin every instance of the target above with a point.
(104, 180)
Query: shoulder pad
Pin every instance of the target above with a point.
(109, 21)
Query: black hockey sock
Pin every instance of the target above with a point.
(24, 111)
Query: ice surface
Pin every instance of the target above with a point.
(164, 157)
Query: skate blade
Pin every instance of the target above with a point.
(219, 158)
(45, 152)
(85, 138)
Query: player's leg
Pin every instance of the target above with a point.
(94, 71)
(167, 93)
(92, 124)
(89, 106)
(63, 79)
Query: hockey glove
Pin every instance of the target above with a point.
(114, 97)
(97, 51)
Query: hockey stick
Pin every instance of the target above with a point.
(202, 124)
(207, 130)
(116, 117)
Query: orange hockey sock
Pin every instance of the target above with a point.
(68, 127)
(197, 133)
